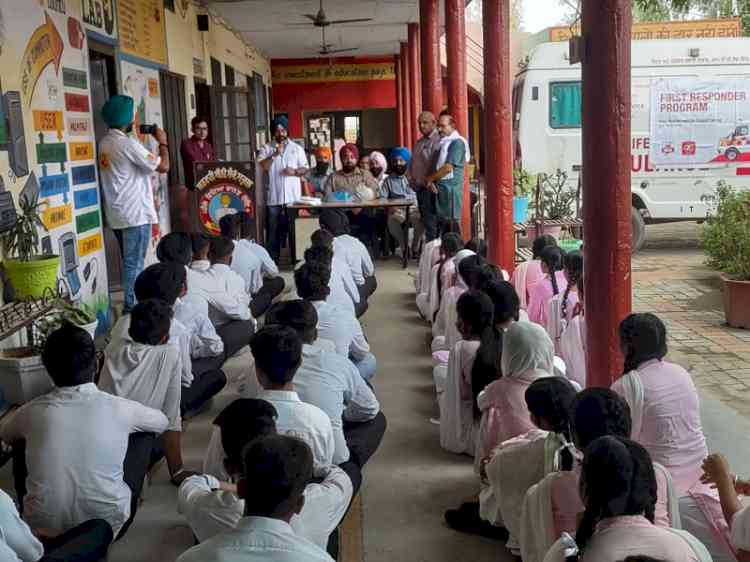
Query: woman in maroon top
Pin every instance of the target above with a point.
(196, 149)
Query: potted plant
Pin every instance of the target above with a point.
(523, 186)
(81, 315)
(554, 201)
(28, 272)
(726, 239)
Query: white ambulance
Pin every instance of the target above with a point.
(547, 124)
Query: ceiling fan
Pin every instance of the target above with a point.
(325, 48)
(321, 20)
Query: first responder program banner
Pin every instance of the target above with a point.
(695, 122)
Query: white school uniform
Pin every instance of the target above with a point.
(247, 265)
(333, 384)
(204, 341)
(355, 254)
(223, 289)
(268, 266)
(15, 535)
(343, 329)
(76, 440)
(210, 511)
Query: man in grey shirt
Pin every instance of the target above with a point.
(421, 166)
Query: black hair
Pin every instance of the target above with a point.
(474, 308)
(642, 558)
(549, 398)
(319, 254)
(469, 268)
(617, 479)
(643, 337)
(231, 226)
(298, 314)
(197, 120)
(573, 264)
(552, 257)
(150, 320)
(446, 225)
(487, 367)
(334, 221)
(322, 237)
(69, 356)
(541, 243)
(163, 281)
(277, 468)
(242, 421)
(478, 246)
(505, 300)
(199, 242)
(247, 224)
(312, 279)
(596, 412)
(278, 352)
(175, 247)
(487, 273)
(450, 245)
(221, 247)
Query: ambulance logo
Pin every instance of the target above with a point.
(688, 148)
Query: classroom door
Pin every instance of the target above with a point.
(174, 110)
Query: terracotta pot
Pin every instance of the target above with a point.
(737, 303)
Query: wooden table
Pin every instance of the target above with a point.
(294, 209)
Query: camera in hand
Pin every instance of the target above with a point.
(147, 129)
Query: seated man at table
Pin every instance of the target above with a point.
(396, 186)
(351, 250)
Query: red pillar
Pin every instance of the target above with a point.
(399, 103)
(432, 80)
(415, 82)
(498, 170)
(606, 182)
(458, 97)
(405, 96)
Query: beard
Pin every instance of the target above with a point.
(348, 168)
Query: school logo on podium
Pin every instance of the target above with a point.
(224, 189)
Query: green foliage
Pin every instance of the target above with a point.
(556, 199)
(22, 241)
(726, 234)
(62, 312)
(523, 183)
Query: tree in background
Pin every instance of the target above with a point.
(474, 13)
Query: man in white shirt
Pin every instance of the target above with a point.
(277, 470)
(211, 505)
(125, 168)
(285, 162)
(344, 290)
(278, 354)
(332, 383)
(335, 324)
(76, 439)
(353, 251)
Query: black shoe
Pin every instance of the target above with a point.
(466, 519)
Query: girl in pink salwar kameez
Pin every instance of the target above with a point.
(619, 488)
(573, 342)
(553, 283)
(666, 421)
(562, 306)
(428, 300)
(528, 273)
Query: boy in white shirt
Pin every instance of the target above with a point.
(212, 506)
(177, 247)
(334, 324)
(333, 383)
(278, 354)
(353, 251)
(244, 263)
(273, 282)
(277, 470)
(344, 291)
(76, 439)
(143, 366)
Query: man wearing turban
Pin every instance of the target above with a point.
(125, 168)
(318, 176)
(284, 163)
(396, 186)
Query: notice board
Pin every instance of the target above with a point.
(142, 30)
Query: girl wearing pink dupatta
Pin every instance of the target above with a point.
(551, 284)
(619, 488)
(428, 301)
(573, 342)
(430, 256)
(526, 274)
(666, 421)
(563, 305)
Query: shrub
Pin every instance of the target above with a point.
(726, 234)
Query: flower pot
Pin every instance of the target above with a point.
(31, 278)
(520, 210)
(737, 303)
(22, 375)
(535, 232)
(90, 327)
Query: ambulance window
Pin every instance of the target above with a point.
(565, 105)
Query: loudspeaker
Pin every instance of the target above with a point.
(202, 22)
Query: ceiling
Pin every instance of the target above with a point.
(267, 25)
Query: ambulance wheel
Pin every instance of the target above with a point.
(732, 153)
(639, 229)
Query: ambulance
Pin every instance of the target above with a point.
(673, 179)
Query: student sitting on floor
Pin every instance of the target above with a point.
(277, 471)
(273, 282)
(526, 274)
(441, 276)
(562, 306)
(478, 246)
(428, 258)
(444, 333)
(333, 384)
(618, 486)
(666, 420)
(553, 505)
(344, 291)
(573, 341)
(212, 506)
(142, 365)
(217, 283)
(278, 356)
(76, 439)
(244, 262)
(552, 283)
(177, 247)
(354, 252)
(335, 324)
(165, 281)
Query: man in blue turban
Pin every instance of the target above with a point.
(126, 167)
(396, 186)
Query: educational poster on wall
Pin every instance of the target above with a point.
(223, 188)
(143, 32)
(142, 84)
(696, 122)
(100, 16)
(47, 139)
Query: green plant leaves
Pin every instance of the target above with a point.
(726, 234)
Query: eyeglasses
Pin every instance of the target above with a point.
(201, 129)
